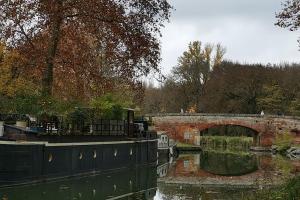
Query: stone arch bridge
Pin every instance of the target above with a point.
(266, 127)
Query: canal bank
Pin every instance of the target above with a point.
(290, 190)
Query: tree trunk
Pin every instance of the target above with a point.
(56, 21)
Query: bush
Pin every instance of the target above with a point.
(233, 143)
(79, 115)
(289, 191)
(109, 106)
(283, 142)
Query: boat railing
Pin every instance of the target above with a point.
(58, 125)
(13, 118)
(109, 128)
(96, 127)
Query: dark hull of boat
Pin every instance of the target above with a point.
(27, 162)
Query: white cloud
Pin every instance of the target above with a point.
(245, 27)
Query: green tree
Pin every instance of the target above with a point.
(111, 105)
(272, 99)
(294, 107)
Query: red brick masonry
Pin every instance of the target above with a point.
(266, 127)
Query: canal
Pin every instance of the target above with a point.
(228, 175)
(207, 175)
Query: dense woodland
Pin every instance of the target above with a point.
(232, 88)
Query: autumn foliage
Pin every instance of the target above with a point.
(80, 49)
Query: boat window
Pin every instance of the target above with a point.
(50, 157)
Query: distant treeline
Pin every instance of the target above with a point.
(230, 88)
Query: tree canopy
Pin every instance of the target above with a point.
(229, 88)
(88, 41)
(194, 69)
(288, 17)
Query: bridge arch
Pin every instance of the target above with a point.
(251, 132)
(208, 126)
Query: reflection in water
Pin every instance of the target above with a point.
(162, 170)
(223, 175)
(228, 163)
(193, 176)
(139, 183)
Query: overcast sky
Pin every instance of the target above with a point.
(245, 27)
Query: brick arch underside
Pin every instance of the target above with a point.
(256, 136)
(228, 124)
(177, 130)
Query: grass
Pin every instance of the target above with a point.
(283, 165)
(296, 145)
(283, 142)
(225, 142)
(221, 142)
(228, 151)
(289, 191)
(182, 145)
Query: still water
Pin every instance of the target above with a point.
(208, 175)
(216, 175)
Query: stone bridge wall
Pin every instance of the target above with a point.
(178, 125)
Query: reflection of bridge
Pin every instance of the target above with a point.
(177, 125)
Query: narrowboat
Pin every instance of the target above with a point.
(53, 149)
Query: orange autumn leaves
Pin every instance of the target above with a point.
(12, 82)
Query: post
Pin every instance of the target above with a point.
(130, 118)
(1, 128)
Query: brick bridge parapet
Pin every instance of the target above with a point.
(267, 126)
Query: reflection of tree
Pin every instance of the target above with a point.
(283, 165)
(228, 164)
